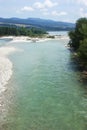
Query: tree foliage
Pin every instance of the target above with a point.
(82, 51)
(79, 34)
(78, 39)
(6, 31)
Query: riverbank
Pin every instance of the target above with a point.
(34, 39)
(5, 66)
(81, 66)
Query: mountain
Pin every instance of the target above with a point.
(37, 22)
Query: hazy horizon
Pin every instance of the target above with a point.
(66, 11)
(37, 18)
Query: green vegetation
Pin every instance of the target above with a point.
(48, 25)
(51, 36)
(33, 32)
(78, 40)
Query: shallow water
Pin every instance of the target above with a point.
(64, 33)
(4, 42)
(44, 91)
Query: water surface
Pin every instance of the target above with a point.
(44, 91)
(64, 33)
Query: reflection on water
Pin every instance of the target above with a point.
(45, 91)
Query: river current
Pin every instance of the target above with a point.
(44, 92)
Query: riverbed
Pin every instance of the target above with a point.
(44, 92)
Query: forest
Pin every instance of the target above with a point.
(21, 31)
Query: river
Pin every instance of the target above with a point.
(44, 92)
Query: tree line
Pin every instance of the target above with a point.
(18, 31)
(78, 41)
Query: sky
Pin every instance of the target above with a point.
(59, 10)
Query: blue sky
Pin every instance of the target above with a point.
(60, 10)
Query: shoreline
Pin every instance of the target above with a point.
(33, 39)
(6, 71)
(5, 67)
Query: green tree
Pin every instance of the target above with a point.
(78, 40)
(82, 51)
(79, 34)
(17, 31)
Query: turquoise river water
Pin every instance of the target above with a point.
(44, 92)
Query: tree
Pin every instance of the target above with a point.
(78, 40)
(17, 31)
(79, 34)
(82, 51)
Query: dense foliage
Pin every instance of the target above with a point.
(6, 31)
(78, 40)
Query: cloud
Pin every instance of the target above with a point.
(55, 13)
(81, 10)
(83, 13)
(45, 4)
(44, 10)
(27, 8)
(39, 5)
(49, 3)
(82, 2)
(46, 13)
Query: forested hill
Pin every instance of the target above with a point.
(48, 25)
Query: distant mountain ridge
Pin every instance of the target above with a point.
(38, 23)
